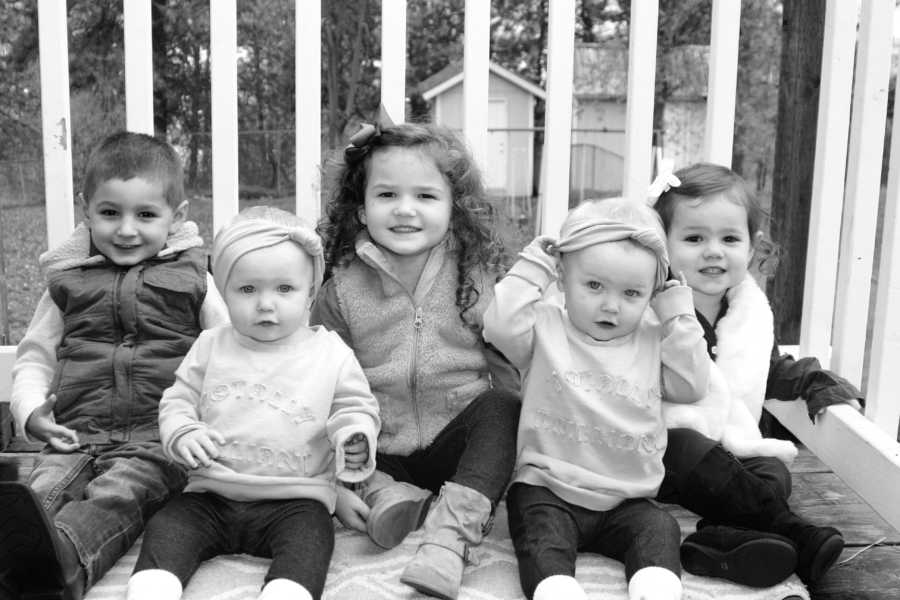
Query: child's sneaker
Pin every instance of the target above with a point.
(40, 562)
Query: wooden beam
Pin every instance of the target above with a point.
(860, 453)
(476, 77)
(554, 197)
(308, 109)
(138, 28)
(393, 59)
(224, 107)
(863, 188)
(718, 138)
(641, 95)
(828, 178)
(882, 400)
(56, 120)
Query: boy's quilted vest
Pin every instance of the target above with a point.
(125, 331)
(423, 364)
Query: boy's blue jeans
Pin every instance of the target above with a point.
(101, 495)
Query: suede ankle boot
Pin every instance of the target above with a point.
(41, 561)
(397, 509)
(744, 556)
(457, 520)
(818, 548)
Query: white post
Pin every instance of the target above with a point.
(138, 27)
(308, 108)
(641, 92)
(393, 59)
(882, 404)
(723, 64)
(869, 112)
(223, 75)
(554, 200)
(476, 77)
(828, 178)
(56, 120)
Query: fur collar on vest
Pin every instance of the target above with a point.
(76, 250)
(732, 407)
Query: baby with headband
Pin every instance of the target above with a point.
(591, 434)
(268, 413)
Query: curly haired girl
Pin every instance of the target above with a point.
(411, 268)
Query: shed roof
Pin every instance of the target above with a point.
(452, 75)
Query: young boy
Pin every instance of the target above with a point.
(268, 413)
(591, 436)
(126, 296)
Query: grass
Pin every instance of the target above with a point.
(24, 238)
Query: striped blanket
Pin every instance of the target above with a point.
(360, 570)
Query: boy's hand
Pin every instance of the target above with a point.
(350, 509)
(42, 425)
(198, 447)
(356, 452)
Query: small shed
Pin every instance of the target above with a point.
(510, 168)
(600, 90)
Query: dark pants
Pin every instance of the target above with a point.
(101, 495)
(476, 449)
(548, 532)
(298, 535)
(707, 479)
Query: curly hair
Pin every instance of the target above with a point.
(703, 180)
(480, 250)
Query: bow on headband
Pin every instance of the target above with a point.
(665, 180)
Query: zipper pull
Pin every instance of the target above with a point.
(418, 322)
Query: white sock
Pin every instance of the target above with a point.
(154, 584)
(284, 589)
(654, 583)
(559, 586)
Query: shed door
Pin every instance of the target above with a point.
(498, 144)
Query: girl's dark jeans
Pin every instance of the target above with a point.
(548, 532)
(476, 449)
(298, 535)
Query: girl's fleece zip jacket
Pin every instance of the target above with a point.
(423, 363)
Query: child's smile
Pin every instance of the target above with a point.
(408, 203)
(710, 243)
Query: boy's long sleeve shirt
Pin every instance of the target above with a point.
(285, 409)
(591, 428)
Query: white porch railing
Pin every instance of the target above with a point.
(861, 449)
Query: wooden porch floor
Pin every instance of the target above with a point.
(864, 571)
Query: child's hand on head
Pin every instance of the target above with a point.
(42, 425)
(356, 452)
(681, 281)
(198, 447)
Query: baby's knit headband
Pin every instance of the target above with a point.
(241, 237)
(592, 231)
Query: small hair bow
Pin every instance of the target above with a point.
(665, 180)
(361, 142)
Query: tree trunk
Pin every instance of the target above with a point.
(803, 27)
